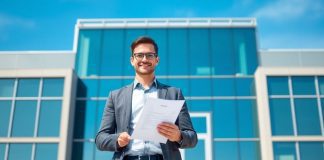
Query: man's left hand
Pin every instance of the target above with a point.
(170, 131)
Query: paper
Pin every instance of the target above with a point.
(156, 111)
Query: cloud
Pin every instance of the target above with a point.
(286, 9)
(8, 21)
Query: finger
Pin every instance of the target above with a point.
(169, 125)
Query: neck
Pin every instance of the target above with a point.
(145, 80)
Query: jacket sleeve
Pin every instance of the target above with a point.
(106, 138)
(189, 135)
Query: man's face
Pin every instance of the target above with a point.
(144, 65)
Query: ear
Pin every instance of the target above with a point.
(131, 59)
(157, 60)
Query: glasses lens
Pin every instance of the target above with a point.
(140, 56)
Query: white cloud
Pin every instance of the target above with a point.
(285, 9)
(7, 21)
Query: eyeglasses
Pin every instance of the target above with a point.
(140, 56)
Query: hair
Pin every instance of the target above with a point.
(144, 39)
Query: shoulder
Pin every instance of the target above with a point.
(121, 91)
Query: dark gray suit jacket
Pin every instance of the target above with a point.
(117, 116)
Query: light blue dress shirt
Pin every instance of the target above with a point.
(139, 97)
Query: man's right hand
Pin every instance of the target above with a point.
(123, 139)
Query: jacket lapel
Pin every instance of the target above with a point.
(162, 91)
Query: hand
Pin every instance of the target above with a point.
(123, 139)
(170, 131)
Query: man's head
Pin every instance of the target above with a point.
(144, 56)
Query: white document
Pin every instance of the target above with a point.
(156, 111)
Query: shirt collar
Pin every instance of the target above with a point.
(137, 84)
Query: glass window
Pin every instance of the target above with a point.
(284, 150)
(245, 87)
(103, 155)
(200, 124)
(53, 87)
(2, 151)
(46, 151)
(199, 53)
(223, 87)
(321, 84)
(249, 151)
(281, 117)
(6, 87)
(222, 51)
(24, 119)
(322, 104)
(199, 105)
(107, 85)
(5, 110)
(100, 109)
(303, 85)
(247, 119)
(225, 119)
(311, 150)
(28, 87)
(85, 120)
(200, 87)
(160, 37)
(19, 151)
(113, 53)
(196, 153)
(278, 85)
(87, 88)
(178, 59)
(307, 116)
(226, 150)
(89, 52)
(245, 52)
(183, 84)
(83, 150)
(50, 119)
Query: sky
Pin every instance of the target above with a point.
(49, 24)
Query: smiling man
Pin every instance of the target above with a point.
(124, 107)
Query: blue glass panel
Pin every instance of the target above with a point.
(222, 52)
(284, 150)
(200, 87)
(88, 88)
(199, 105)
(245, 50)
(50, 119)
(83, 151)
(107, 85)
(322, 105)
(307, 116)
(200, 124)
(278, 85)
(89, 52)
(20, 151)
(245, 87)
(247, 119)
(225, 119)
(249, 151)
(183, 84)
(321, 84)
(199, 53)
(226, 150)
(53, 87)
(160, 37)
(196, 153)
(46, 151)
(2, 151)
(281, 119)
(131, 35)
(85, 119)
(24, 119)
(113, 53)
(6, 87)
(103, 155)
(311, 150)
(100, 108)
(178, 59)
(303, 85)
(28, 88)
(5, 110)
(223, 87)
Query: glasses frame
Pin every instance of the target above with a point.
(148, 56)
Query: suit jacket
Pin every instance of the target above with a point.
(117, 116)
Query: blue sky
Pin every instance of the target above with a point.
(49, 24)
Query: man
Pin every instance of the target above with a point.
(124, 107)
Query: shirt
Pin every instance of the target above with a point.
(139, 97)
